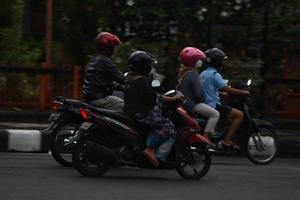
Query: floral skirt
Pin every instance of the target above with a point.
(161, 128)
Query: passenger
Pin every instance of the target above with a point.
(100, 72)
(140, 100)
(188, 78)
(213, 83)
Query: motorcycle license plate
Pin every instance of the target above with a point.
(86, 125)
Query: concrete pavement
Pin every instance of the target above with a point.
(25, 176)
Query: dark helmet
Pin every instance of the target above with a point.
(215, 57)
(141, 61)
(106, 42)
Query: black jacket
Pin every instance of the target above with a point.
(139, 97)
(100, 73)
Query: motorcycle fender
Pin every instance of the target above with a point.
(197, 138)
(263, 123)
(82, 131)
(54, 116)
(52, 120)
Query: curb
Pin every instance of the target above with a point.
(18, 140)
(34, 141)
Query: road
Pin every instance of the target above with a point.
(25, 176)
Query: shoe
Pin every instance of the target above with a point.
(151, 157)
(230, 145)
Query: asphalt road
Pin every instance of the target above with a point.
(39, 177)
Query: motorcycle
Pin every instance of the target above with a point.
(65, 120)
(257, 138)
(63, 123)
(112, 139)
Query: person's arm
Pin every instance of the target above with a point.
(168, 99)
(196, 87)
(223, 94)
(234, 91)
(114, 72)
(221, 84)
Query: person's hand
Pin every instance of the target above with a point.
(174, 99)
(246, 93)
(178, 99)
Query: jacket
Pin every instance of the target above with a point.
(139, 97)
(100, 72)
(191, 89)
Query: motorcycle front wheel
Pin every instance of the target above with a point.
(61, 135)
(84, 164)
(193, 161)
(262, 147)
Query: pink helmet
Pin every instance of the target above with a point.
(190, 55)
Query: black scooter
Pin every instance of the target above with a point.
(257, 138)
(64, 121)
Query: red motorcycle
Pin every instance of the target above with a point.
(112, 139)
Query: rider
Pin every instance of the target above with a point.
(140, 100)
(192, 59)
(100, 72)
(213, 83)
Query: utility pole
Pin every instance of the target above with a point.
(44, 79)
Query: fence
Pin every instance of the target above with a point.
(36, 87)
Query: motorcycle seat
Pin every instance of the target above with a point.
(117, 115)
(74, 103)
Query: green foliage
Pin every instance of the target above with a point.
(284, 21)
(14, 49)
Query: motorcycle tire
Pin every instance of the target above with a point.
(83, 164)
(193, 161)
(262, 147)
(60, 153)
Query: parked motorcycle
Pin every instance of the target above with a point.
(256, 137)
(112, 139)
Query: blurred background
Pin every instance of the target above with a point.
(45, 44)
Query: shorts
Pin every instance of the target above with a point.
(224, 110)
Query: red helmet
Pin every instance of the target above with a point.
(190, 55)
(106, 42)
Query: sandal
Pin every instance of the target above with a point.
(151, 157)
(230, 145)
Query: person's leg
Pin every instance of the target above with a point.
(161, 131)
(110, 103)
(237, 117)
(212, 115)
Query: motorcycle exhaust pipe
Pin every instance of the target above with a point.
(98, 152)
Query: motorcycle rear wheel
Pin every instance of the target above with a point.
(83, 164)
(193, 162)
(262, 147)
(62, 134)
